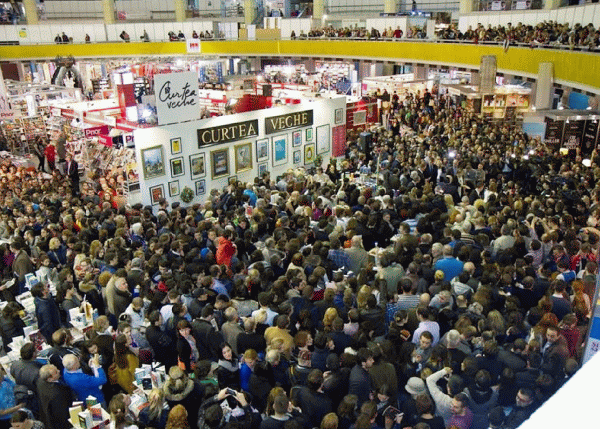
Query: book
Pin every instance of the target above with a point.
(139, 374)
(96, 411)
(74, 412)
(392, 412)
(147, 383)
(90, 401)
(85, 420)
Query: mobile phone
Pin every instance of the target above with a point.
(231, 392)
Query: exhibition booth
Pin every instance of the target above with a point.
(198, 155)
(506, 103)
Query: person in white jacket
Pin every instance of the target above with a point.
(443, 400)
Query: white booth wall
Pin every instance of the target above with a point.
(323, 114)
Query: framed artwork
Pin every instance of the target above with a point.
(262, 150)
(338, 116)
(297, 156)
(197, 166)
(297, 138)
(280, 149)
(200, 187)
(309, 134)
(262, 168)
(309, 153)
(243, 157)
(153, 162)
(176, 146)
(157, 193)
(360, 117)
(219, 160)
(177, 168)
(174, 188)
(323, 139)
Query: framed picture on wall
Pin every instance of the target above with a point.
(197, 166)
(323, 144)
(309, 134)
(176, 146)
(262, 168)
(309, 153)
(338, 116)
(174, 188)
(201, 187)
(157, 193)
(177, 168)
(153, 162)
(297, 138)
(280, 144)
(219, 160)
(243, 157)
(297, 156)
(262, 150)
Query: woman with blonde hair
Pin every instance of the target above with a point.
(178, 418)
(155, 413)
(330, 421)
(330, 315)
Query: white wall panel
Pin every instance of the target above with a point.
(569, 13)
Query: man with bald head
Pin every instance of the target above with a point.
(55, 398)
(83, 384)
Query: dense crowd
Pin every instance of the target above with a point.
(453, 290)
(544, 33)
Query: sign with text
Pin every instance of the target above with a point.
(554, 132)
(193, 46)
(105, 140)
(573, 134)
(279, 123)
(590, 137)
(96, 131)
(227, 133)
(176, 97)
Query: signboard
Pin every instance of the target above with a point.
(227, 133)
(176, 97)
(338, 140)
(96, 131)
(554, 132)
(105, 140)
(573, 134)
(280, 123)
(590, 137)
(193, 46)
(6, 111)
(522, 5)
(487, 73)
(497, 5)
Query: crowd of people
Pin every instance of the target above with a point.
(544, 33)
(454, 291)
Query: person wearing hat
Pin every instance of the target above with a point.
(407, 401)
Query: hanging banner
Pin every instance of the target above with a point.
(105, 140)
(96, 131)
(590, 137)
(6, 111)
(338, 135)
(573, 134)
(554, 132)
(176, 97)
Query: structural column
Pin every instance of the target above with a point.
(31, 12)
(108, 10)
(465, 6)
(551, 4)
(249, 11)
(179, 10)
(544, 89)
(389, 6)
(318, 9)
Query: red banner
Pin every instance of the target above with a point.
(96, 131)
(105, 140)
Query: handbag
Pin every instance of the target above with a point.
(112, 373)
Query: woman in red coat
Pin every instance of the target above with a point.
(225, 249)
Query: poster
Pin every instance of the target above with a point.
(573, 134)
(176, 97)
(590, 137)
(339, 140)
(554, 132)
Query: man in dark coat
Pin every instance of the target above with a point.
(360, 381)
(21, 265)
(46, 311)
(55, 398)
(72, 172)
(311, 400)
(162, 344)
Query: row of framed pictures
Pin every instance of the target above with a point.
(157, 192)
(153, 163)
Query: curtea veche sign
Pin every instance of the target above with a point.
(176, 97)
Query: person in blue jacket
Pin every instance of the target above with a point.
(83, 384)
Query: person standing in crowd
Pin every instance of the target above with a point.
(55, 398)
(83, 384)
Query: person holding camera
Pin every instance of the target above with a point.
(212, 415)
(82, 384)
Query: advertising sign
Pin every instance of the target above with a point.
(176, 97)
